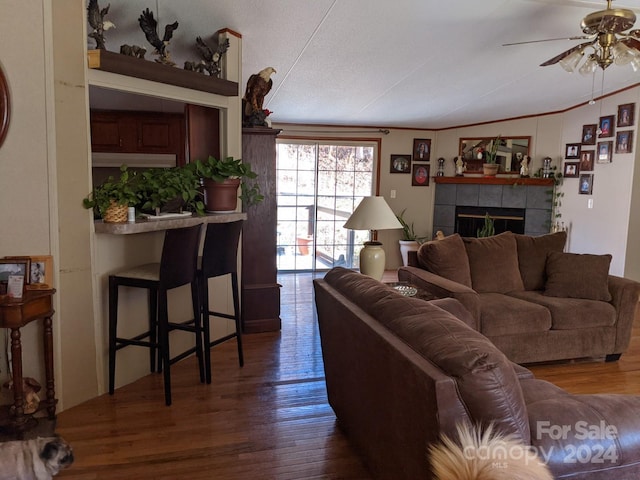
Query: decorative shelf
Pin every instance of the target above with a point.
(495, 180)
(157, 72)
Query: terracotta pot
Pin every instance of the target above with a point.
(221, 197)
(490, 169)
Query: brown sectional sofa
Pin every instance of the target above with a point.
(532, 300)
(402, 371)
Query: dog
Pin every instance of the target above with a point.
(485, 455)
(37, 459)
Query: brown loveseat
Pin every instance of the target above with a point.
(401, 371)
(534, 302)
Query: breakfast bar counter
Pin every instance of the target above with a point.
(145, 225)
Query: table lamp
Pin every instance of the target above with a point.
(373, 213)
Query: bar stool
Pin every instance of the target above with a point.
(219, 257)
(177, 267)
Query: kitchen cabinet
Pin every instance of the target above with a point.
(138, 132)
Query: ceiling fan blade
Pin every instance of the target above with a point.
(581, 37)
(566, 53)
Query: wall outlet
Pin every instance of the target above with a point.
(590, 203)
(393, 194)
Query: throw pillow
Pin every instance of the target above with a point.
(576, 275)
(493, 262)
(447, 258)
(532, 257)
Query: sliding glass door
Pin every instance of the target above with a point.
(319, 186)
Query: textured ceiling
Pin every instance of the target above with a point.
(400, 63)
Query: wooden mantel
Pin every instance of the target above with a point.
(494, 180)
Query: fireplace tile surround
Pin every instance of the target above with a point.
(533, 195)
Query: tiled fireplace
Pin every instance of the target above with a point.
(530, 198)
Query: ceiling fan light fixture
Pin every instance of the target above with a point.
(589, 67)
(622, 54)
(635, 63)
(570, 62)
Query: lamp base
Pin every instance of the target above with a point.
(372, 260)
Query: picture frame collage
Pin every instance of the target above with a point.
(21, 273)
(417, 163)
(597, 146)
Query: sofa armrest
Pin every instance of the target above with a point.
(522, 372)
(625, 295)
(442, 288)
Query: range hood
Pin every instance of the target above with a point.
(144, 160)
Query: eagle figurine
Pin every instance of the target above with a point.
(258, 85)
(95, 17)
(211, 58)
(149, 26)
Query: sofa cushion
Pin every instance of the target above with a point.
(532, 257)
(446, 258)
(572, 313)
(577, 275)
(506, 315)
(487, 383)
(493, 262)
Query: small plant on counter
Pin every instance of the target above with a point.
(125, 191)
(170, 189)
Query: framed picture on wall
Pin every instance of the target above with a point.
(606, 126)
(626, 114)
(589, 134)
(421, 149)
(624, 141)
(571, 169)
(585, 184)
(605, 149)
(586, 161)
(400, 164)
(572, 151)
(420, 175)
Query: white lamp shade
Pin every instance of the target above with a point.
(373, 213)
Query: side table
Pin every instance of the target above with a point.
(15, 313)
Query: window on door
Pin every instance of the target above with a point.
(319, 186)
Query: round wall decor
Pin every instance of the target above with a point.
(4, 107)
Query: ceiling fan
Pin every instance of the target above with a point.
(606, 33)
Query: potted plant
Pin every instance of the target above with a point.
(221, 179)
(111, 198)
(170, 190)
(409, 241)
(488, 229)
(490, 167)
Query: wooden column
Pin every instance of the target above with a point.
(260, 289)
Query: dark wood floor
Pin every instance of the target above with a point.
(268, 420)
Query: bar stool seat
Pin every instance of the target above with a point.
(220, 257)
(177, 267)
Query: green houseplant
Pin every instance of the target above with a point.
(488, 229)
(490, 166)
(170, 189)
(221, 179)
(113, 195)
(409, 241)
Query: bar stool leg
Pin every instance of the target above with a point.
(236, 314)
(163, 343)
(197, 324)
(113, 322)
(153, 329)
(203, 284)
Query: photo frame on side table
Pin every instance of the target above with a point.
(400, 164)
(14, 273)
(420, 175)
(41, 273)
(421, 149)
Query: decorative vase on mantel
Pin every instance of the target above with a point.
(490, 169)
